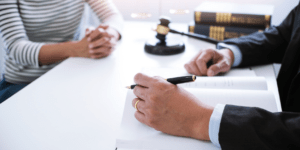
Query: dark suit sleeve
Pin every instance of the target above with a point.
(245, 128)
(265, 47)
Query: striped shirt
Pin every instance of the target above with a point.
(26, 25)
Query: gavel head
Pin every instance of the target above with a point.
(163, 28)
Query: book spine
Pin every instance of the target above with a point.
(231, 19)
(221, 33)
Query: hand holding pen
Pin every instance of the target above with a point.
(176, 80)
(169, 108)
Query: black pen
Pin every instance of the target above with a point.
(176, 80)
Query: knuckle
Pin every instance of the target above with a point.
(151, 119)
(187, 68)
(210, 50)
(156, 77)
(140, 106)
(141, 95)
(133, 102)
(153, 97)
(135, 91)
(156, 80)
(199, 61)
(161, 85)
(100, 30)
(192, 63)
(223, 64)
(136, 115)
(227, 63)
(105, 40)
(186, 65)
(207, 51)
(217, 67)
(92, 35)
(137, 76)
(152, 122)
(97, 32)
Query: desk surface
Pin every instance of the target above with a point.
(79, 104)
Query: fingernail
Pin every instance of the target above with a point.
(210, 73)
(93, 57)
(91, 51)
(90, 46)
(89, 39)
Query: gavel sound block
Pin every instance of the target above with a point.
(164, 46)
(161, 45)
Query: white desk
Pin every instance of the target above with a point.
(78, 104)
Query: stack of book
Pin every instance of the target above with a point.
(226, 20)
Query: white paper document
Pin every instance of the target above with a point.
(173, 72)
(135, 135)
(237, 83)
(243, 79)
(237, 87)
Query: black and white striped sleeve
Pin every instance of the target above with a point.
(19, 47)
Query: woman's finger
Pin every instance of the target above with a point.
(100, 50)
(96, 34)
(99, 42)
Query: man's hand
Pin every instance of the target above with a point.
(170, 109)
(222, 62)
(102, 41)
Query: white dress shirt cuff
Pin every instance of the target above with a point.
(236, 52)
(214, 124)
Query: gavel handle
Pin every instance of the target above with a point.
(197, 36)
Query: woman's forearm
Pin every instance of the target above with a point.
(52, 53)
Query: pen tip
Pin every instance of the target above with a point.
(127, 87)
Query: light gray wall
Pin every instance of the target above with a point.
(162, 7)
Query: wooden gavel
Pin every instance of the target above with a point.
(163, 29)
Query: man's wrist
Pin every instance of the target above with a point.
(215, 123)
(235, 50)
(228, 54)
(201, 126)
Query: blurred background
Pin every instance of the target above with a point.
(181, 11)
(185, 8)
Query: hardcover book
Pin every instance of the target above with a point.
(239, 15)
(221, 33)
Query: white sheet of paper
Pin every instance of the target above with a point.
(238, 83)
(174, 72)
(245, 72)
(244, 79)
(135, 135)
